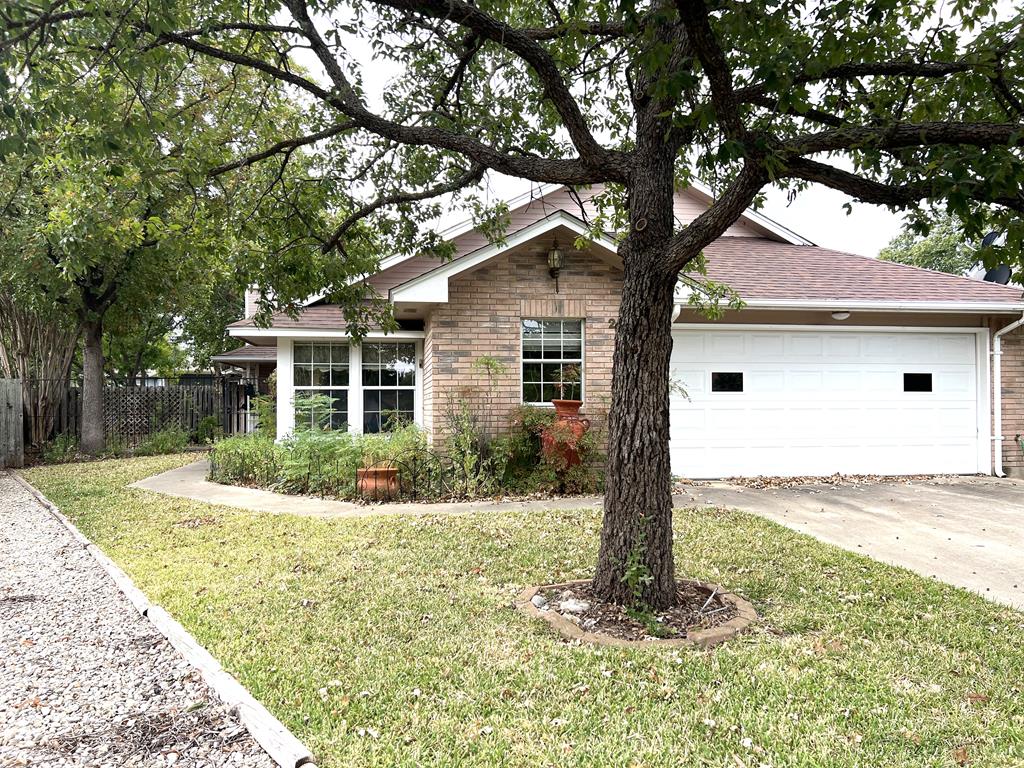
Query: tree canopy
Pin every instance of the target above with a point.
(894, 102)
(944, 249)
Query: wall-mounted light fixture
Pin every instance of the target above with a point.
(555, 263)
(840, 315)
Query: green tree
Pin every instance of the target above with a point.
(881, 99)
(944, 248)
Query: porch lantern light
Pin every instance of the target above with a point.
(556, 260)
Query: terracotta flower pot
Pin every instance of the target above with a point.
(567, 408)
(560, 440)
(377, 482)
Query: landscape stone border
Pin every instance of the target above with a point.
(269, 732)
(701, 638)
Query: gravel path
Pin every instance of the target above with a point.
(86, 680)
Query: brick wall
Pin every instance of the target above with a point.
(1013, 399)
(483, 317)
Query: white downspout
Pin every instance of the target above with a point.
(997, 395)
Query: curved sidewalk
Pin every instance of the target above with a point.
(190, 482)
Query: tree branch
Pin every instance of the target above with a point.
(522, 45)
(720, 215)
(903, 135)
(468, 178)
(288, 145)
(879, 193)
(900, 68)
(694, 15)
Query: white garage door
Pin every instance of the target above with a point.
(767, 402)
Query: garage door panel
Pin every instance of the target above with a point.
(833, 402)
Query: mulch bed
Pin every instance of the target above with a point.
(697, 608)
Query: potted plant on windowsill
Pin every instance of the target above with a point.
(566, 408)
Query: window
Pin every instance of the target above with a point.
(729, 381)
(917, 382)
(320, 374)
(552, 360)
(389, 385)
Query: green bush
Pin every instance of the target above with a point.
(246, 460)
(168, 440)
(61, 449)
(209, 430)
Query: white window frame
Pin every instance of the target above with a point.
(396, 388)
(582, 360)
(286, 385)
(315, 388)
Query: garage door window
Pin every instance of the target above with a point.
(727, 381)
(552, 360)
(917, 382)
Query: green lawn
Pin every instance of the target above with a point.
(392, 641)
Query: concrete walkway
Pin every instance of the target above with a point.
(967, 531)
(190, 482)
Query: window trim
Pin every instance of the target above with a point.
(582, 361)
(286, 388)
(414, 388)
(298, 388)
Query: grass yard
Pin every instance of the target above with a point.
(392, 641)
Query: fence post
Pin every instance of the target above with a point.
(12, 424)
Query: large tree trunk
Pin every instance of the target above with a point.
(635, 563)
(93, 441)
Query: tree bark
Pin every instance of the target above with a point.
(93, 441)
(635, 563)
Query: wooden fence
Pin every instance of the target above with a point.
(12, 424)
(131, 414)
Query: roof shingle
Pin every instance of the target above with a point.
(758, 268)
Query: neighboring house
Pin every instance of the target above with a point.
(838, 363)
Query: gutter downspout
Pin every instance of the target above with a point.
(997, 396)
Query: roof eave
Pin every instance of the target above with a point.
(884, 305)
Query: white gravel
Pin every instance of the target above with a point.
(86, 680)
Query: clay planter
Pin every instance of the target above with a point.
(701, 638)
(559, 441)
(567, 408)
(377, 482)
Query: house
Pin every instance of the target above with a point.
(837, 362)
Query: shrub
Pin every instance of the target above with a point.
(63, 448)
(245, 460)
(320, 462)
(209, 430)
(168, 440)
(265, 407)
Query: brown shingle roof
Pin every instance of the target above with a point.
(758, 268)
(325, 316)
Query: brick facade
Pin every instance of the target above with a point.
(1013, 399)
(483, 317)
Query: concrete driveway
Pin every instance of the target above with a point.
(968, 531)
